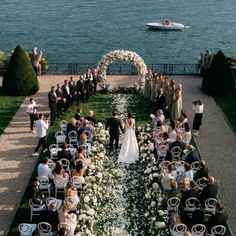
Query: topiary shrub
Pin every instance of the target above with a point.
(218, 79)
(20, 78)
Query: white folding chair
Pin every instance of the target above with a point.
(198, 230)
(161, 152)
(176, 153)
(201, 183)
(63, 125)
(45, 229)
(66, 165)
(65, 226)
(210, 206)
(60, 184)
(195, 166)
(179, 166)
(57, 202)
(186, 138)
(218, 230)
(73, 138)
(179, 230)
(89, 135)
(78, 182)
(44, 184)
(190, 204)
(60, 138)
(173, 204)
(26, 229)
(35, 209)
(51, 164)
(53, 149)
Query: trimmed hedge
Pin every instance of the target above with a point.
(20, 78)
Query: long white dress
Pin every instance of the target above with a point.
(129, 152)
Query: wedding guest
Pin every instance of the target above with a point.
(82, 155)
(80, 88)
(73, 92)
(60, 100)
(78, 115)
(32, 111)
(44, 170)
(36, 194)
(95, 81)
(188, 171)
(161, 100)
(52, 99)
(67, 94)
(66, 154)
(182, 120)
(84, 142)
(170, 94)
(90, 117)
(41, 131)
(191, 155)
(203, 171)
(171, 131)
(186, 134)
(86, 127)
(197, 121)
(191, 192)
(71, 191)
(88, 80)
(71, 126)
(60, 171)
(79, 169)
(176, 110)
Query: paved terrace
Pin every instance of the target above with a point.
(216, 144)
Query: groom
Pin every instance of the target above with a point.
(114, 125)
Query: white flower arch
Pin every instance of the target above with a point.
(125, 55)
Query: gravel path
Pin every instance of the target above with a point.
(216, 144)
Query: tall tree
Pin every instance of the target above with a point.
(218, 79)
(20, 78)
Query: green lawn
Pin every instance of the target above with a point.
(9, 105)
(228, 106)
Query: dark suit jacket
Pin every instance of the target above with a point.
(51, 217)
(114, 125)
(192, 157)
(67, 95)
(52, 99)
(203, 172)
(209, 191)
(80, 87)
(67, 155)
(160, 102)
(91, 118)
(197, 218)
(60, 93)
(220, 218)
(187, 194)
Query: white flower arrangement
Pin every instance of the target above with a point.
(125, 55)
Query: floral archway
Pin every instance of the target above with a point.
(125, 55)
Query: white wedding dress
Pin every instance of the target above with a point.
(129, 152)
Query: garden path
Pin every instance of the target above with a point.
(216, 145)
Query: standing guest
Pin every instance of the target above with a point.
(90, 117)
(88, 78)
(72, 90)
(52, 99)
(60, 100)
(160, 100)
(95, 81)
(32, 111)
(80, 88)
(41, 131)
(197, 121)
(67, 93)
(114, 125)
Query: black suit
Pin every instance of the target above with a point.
(67, 93)
(193, 192)
(91, 118)
(80, 88)
(67, 155)
(51, 217)
(203, 172)
(60, 101)
(178, 143)
(160, 101)
(192, 157)
(209, 191)
(72, 91)
(52, 99)
(220, 218)
(114, 125)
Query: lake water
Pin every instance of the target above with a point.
(83, 30)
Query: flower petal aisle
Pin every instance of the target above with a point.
(121, 199)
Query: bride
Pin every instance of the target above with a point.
(129, 152)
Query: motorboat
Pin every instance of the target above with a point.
(166, 25)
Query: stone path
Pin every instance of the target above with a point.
(216, 144)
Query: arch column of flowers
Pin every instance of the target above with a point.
(124, 55)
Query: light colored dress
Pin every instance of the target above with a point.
(129, 152)
(176, 110)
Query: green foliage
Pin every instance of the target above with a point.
(218, 79)
(20, 78)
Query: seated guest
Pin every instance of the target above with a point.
(209, 191)
(171, 131)
(78, 115)
(60, 171)
(191, 192)
(44, 170)
(51, 216)
(36, 194)
(86, 127)
(79, 169)
(168, 177)
(186, 134)
(159, 117)
(90, 117)
(64, 153)
(84, 142)
(182, 120)
(220, 218)
(71, 191)
(71, 126)
(191, 155)
(184, 185)
(202, 172)
(82, 155)
(188, 171)
(65, 215)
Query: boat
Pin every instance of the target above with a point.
(166, 25)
